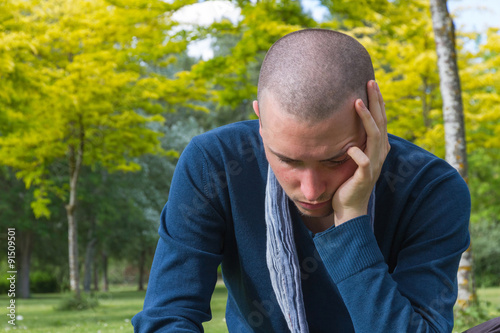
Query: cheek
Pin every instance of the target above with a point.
(285, 176)
(343, 173)
(348, 169)
(350, 166)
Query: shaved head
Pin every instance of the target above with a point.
(313, 73)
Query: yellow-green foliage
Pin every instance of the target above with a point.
(400, 39)
(93, 67)
(481, 93)
(80, 74)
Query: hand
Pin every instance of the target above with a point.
(351, 198)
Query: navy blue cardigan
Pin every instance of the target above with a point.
(399, 277)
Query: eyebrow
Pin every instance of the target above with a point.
(283, 157)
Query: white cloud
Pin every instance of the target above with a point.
(204, 14)
(472, 15)
(208, 12)
(314, 7)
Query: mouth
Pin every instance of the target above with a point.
(310, 206)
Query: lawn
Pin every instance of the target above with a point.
(491, 295)
(118, 306)
(112, 315)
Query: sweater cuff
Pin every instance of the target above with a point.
(349, 248)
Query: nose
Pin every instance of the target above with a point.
(312, 185)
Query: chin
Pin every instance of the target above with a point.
(318, 213)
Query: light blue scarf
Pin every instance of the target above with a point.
(281, 254)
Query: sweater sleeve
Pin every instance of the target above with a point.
(184, 270)
(418, 296)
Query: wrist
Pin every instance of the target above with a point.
(344, 215)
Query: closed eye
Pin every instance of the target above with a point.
(330, 163)
(337, 163)
(288, 161)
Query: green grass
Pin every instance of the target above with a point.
(491, 295)
(112, 315)
(118, 307)
(487, 307)
(218, 306)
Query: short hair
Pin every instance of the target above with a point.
(311, 73)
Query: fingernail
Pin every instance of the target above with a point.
(376, 86)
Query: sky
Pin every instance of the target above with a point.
(469, 15)
(475, 15)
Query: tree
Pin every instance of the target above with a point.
(87, 69)
(456, 153)
(398, 36)
(234, 74)
(16, 213)
(39, 242)
(481, 94)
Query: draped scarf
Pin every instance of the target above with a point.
(281, 254)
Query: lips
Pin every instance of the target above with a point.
(310, 206)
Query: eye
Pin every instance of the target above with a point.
(337, 163)
(287, 161)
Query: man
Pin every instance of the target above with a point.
(322, 221)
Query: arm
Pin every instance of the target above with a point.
(184, 270)
(351, 198)
(418, 296)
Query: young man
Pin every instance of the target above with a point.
(322, 221)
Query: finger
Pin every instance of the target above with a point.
(382, 109)
(360, 158)
(376, 103)
(373, 101)
(383, 122)
(371, 127)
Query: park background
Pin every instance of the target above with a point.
(98, 98)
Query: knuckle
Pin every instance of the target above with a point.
(364, 162)
(365, 112)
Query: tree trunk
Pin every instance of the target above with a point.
(142, 264)
(89, 259)
(105, 271)
(74, 276)
(456, 154)
(26, 245)
(75, 162)
(96, 276)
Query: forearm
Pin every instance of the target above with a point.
(351, 256)
(180, 286)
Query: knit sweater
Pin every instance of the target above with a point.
(399, 276)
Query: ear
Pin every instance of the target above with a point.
(255, 105)
(256, 108)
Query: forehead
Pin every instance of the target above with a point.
(297, 139)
